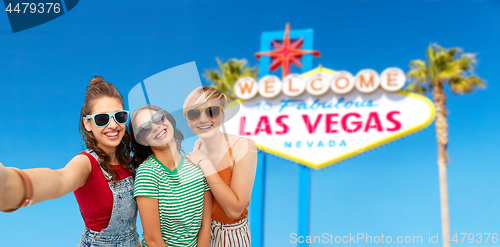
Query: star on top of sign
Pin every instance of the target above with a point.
(286, 53)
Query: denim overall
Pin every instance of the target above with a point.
(122, 228)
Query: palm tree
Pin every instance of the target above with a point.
(456, 69)
(228, 73)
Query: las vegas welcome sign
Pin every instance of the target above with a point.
(323, 116)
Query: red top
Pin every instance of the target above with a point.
(95, 197)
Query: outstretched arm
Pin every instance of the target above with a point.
(47, 183)
(234, 198)
(3, 176)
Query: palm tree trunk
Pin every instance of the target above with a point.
(442, 138)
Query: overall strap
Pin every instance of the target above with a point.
(96, 157)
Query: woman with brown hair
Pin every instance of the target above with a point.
(173, 196)
(101, 177)
(229, 163)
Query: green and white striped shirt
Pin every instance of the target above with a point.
(180, 195)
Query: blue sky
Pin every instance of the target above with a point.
(392, 190)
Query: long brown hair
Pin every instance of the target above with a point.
(142, 152)
(97, 89)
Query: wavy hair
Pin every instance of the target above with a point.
(140, 151)
(98, 89)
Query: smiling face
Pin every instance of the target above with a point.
(204, 126)
(109, 136)
(160, 134)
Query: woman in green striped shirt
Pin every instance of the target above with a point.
(173, 196)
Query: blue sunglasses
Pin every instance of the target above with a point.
(158, 118)
(102, 119)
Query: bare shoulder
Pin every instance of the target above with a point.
(77, 171)
(196, 144)
(80, 160)
(237, 140)
(243, 146)
(78, 166)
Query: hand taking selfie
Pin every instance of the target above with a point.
(3, 177)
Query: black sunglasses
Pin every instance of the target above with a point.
(102, 119)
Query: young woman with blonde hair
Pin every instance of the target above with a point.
(229, 163)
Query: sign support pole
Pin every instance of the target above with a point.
(304, 201)
(304, 171)
(258, 201)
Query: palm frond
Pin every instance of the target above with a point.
(419, 71)
(449, 70)
(449, 66)
(228, 73)
(463, 85)
(467, 62)
(415, 88)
